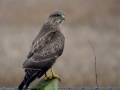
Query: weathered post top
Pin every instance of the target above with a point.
(51, 84)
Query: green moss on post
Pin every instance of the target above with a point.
(51, 84)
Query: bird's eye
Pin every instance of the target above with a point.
(56, 15)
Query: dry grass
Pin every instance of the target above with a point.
(94, 20)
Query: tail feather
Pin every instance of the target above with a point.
(33, 78)
(30, 75)
(21, 85)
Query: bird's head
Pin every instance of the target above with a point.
(57, 17)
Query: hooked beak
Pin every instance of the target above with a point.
(63, 17)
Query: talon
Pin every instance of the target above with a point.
(59, 79)
(54, 75)
(51, 77)
(47, 77)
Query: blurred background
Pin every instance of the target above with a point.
(97, 21)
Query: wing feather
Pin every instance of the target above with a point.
(44, 50)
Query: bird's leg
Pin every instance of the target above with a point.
(54, 75)
(46, 76)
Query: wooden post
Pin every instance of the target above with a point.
(51, 84)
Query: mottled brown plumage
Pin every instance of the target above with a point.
(45, 49)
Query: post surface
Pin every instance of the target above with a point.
(51, 84)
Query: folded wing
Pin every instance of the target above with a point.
(45, 51)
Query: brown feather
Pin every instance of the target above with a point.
(46, 48)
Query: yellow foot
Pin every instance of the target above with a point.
(47, 78)
(51, 77)
(56, 76)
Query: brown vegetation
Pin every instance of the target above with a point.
(95, 20)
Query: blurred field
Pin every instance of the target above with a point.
(95, 20)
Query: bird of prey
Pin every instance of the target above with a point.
(45, 49)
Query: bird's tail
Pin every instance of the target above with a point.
(21, 85)
(30, 75)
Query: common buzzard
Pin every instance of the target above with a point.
(45, 49)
